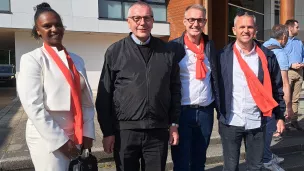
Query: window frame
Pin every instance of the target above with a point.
(133, 1)
(9, 9)
(252, 11)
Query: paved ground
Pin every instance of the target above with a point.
(13, 146)
(7, 94)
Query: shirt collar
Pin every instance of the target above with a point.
(242, 52)
(275, 42)
(291, 38)
(54, 48)
(137, 41)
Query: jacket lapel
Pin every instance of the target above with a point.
(61, 55)
(228, 69)
(260, 72)
(88, 101)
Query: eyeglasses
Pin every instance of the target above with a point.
(137, 19)
(199, 20)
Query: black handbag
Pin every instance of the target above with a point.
(84, 162)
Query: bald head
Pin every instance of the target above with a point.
(134, 7)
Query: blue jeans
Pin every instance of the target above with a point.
(195, 128)
(270, 129)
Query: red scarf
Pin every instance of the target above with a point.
(262, 94)
(201, 68)
(74, 82)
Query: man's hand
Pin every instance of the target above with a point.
(289, 113)
(174, 137)
(280, 126)
(296, 66)
(87, 142)
(108, 144)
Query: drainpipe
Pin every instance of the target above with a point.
(287, 10)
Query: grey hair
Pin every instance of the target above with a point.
(198, 7)
(140, 3)
(245, 14)
(279, 30)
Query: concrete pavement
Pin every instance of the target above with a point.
(14, 154)
(7, 94)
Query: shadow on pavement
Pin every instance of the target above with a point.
(9, 120)
(290, 147)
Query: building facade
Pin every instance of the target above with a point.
(220, 15)
(93, 25)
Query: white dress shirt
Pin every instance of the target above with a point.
(194, 91)
(244, 111)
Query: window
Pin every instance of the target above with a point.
(118, 9)
(277, 12)
(276, 17)
(5, 6)
(7, 57)
(253, 6)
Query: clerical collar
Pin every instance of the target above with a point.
(137, 41)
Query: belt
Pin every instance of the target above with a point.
(195, 106)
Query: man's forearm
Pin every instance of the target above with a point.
(286, 89)
(287, 99)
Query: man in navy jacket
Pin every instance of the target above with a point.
(240, 114)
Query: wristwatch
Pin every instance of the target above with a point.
(174, 124)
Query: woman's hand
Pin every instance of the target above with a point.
(70, 150)
(87, 143)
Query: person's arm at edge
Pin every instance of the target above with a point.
(175, 89)
(277, 91)
(282, 59)
(104, 97)
(286, 90)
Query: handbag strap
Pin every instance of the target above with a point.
(82, 149)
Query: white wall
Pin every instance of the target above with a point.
(77, 15)
(91, 47)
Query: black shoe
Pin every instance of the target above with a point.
(296, 125)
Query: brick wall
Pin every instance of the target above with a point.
(175, 16)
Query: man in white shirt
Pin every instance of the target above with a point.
(250, 90)
(197, 62)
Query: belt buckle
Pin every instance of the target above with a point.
(195, 106)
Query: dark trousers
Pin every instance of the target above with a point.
(232, 136)
(195, 128)
(148, 147)
(271, 127)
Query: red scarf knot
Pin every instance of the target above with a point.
(201, 68)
